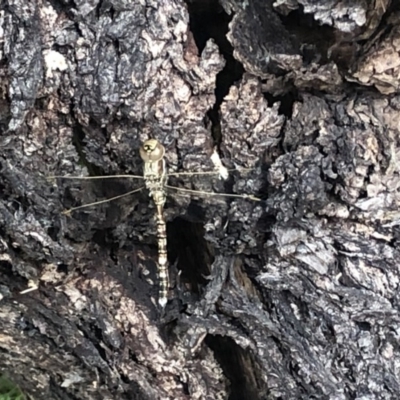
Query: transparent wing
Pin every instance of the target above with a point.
(89, 178)
(188, 192)
(215, 172)
(96, 203)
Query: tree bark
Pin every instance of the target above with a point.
(291, 297)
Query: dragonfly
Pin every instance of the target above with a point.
(155, 178)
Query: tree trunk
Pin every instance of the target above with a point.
(291, 297)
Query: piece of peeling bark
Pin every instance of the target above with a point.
(380, 64)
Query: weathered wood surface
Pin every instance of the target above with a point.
(293, 298)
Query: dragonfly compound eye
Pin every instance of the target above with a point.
(152, 150)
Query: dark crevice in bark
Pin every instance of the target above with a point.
(185, 388)
(237, 365)
(286, 102)
(78, 140)
(187, 247)
(95, 336)
(62, 268)
(58, 392)
(6, 265)
(314, 37)
(100, 237)
(208, 20)
(2, 190)
(53, 232)
(133, 389)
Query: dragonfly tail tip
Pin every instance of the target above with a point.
(162, 301)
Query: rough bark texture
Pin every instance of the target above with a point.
(294, 297)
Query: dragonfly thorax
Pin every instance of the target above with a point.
(154, 169)
(155, 184)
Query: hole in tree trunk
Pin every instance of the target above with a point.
(194, 255)
(238, 366)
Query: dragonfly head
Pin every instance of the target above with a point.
(152, 150)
